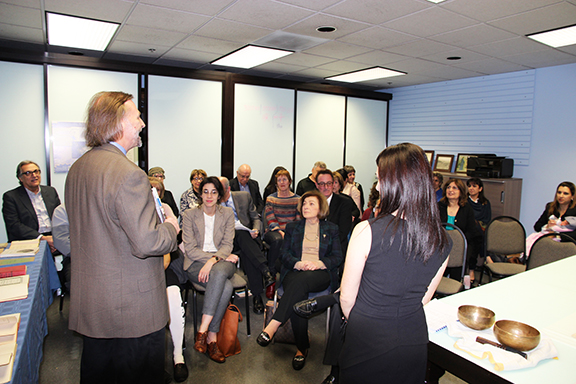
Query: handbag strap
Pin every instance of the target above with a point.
(232, 307)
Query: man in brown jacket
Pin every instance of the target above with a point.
(118, 289)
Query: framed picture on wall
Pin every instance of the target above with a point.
(430, 156)
(444, 163)
(462, 162)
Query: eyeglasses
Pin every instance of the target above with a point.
(198, 179)
(159, 176)
(207, 192)
(35, 172)
(326, 184)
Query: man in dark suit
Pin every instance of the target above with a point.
(118, 296)
(28, 209)
(246, 242)
(340, 207)
(243, 182)
(309, 183)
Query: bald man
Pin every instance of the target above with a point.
(243, 182)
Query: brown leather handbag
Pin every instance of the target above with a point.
(227, 338)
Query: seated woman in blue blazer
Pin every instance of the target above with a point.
(310, 258)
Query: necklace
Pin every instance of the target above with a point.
(315, 236)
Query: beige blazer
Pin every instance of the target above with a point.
(193, 231)
(118, 288)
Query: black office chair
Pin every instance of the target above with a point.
(504, 236)
(549, 248)
(457, 261)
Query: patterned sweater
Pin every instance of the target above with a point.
(280, 210)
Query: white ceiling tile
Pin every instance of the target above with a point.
(420, 48)
(466, 56)
(491, 66)
(407, 80)
(337, 50)
(538, 20)
(570, 49)
(415, 65)
(23, 3)
(376, 11)
(24, 34)
(106, 10)
(206, 44)
(131, 33)
(189, 55)
(264, 13)
(278, 67)
(474, 35)
(22, 16)
(431, 21)
(377, 38)
(167, 19)
(508, 47)
(343, 26)
(304, 60)
(377, 57)
(451, 73)
(210, 8)
(316, 4)
(232, 31)
(139, 49)
(486, 10)
(544, 58)
(318, 72)
(342, 66)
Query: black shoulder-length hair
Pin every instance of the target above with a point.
(405, 186)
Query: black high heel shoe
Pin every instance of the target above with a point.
(264, 339)
(299, 361)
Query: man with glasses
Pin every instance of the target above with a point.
(243, 182)
(340, 207)
(28, 209)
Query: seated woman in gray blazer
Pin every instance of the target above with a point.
(208, 235)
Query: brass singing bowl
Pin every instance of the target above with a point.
(517, 335)
(474, 317)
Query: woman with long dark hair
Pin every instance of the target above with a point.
(393, 266)
(563, 205)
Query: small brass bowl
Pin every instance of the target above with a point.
(474, 317)
(517, 335)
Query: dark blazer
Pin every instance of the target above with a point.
(19, 214)
(169, 199)
(341, 214)
(254, 192)
(543, 220)
(330, 252)
(246, 210)
(464, 220)
(118, 282)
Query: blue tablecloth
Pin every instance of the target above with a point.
(33, 323)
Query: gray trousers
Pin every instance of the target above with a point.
(218, 289)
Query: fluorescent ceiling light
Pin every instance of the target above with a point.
(436, 1)
(366, 74)
(77, 32)
(251, 56)
(557, 37)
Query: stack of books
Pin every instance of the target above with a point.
(13, 283)
(9, 325)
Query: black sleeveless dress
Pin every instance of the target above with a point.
(386, 338)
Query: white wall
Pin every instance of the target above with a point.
(552, 142)
(21, 122)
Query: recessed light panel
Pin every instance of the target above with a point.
(251, 56)
(366, 75)
(436, 1)
(77, 32)
(556, 38)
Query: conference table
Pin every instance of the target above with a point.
(33, 322)
(543, 297)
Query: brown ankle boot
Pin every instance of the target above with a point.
(200, 344)
(214, 353)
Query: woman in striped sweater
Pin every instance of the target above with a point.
(280, 209)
